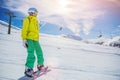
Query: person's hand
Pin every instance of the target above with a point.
(25, 43)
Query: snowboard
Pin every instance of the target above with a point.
(36, 75)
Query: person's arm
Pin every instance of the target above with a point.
(25, 29)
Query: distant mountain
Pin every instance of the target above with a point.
(72, 37)
(114, 42)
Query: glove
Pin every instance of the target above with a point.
(25, 43)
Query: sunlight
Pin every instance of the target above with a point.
(63, 6)
(63, 3)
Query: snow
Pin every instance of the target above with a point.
(69, 59)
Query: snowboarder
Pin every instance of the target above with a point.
(30, 37)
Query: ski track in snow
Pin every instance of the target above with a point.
(69, 59)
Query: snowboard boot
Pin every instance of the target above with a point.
(29, 72)
(42, 68)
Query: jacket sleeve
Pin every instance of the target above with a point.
(25, 28)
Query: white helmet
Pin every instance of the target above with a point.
(33, 10)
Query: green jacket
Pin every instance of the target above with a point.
(30, 28)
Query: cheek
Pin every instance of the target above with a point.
(35, 14)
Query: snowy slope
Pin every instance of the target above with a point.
(69, 59)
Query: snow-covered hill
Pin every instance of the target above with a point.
(72, 37)
(114, 42)
(69, 59)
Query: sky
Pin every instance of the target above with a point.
(85, 18)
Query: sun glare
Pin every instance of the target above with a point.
(63, 3)
(63, 6)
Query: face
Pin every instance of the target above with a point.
(33, 14)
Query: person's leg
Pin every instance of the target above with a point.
(39, 53)
(30, 57)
